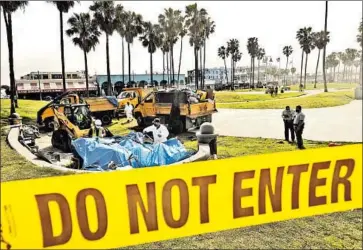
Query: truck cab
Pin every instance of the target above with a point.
(131, 95)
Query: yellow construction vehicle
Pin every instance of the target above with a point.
(74, 121)
(103, 108)
(131, 95)
(174, 109)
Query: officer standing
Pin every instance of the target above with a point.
(288, 118)
(299, 124)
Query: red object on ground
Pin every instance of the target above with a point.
(333, 144)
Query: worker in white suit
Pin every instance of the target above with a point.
(128, 112)
(160, 132)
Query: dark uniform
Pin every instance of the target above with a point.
(299, 124)
(288, 118)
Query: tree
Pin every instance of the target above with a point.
(233, 50)
(360, 41)
(356, 65)
(8, 9)
(182, 32)
(340, 56)
(208, 28)
(320, 39)
(121, 30)
(304, 37)
(170, 23)
(260, 55)
(222, 53)
(133, 28)
(351, 55)
(287, 51)
(63, 7)
(151, 40)
(252, 48)
(194, 22)
(105, 15)
(165, 50)
(85, 35)
(279, 71)
(325, 43)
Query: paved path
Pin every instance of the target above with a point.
(341, 123)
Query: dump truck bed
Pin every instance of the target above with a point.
(196, 109)
(98, 104)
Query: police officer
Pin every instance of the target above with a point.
(288, 118)
(97, 130)
(299, 124)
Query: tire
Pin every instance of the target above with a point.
(61, 140)
(140, 120)
(106, 119)
(178, 127)
(49, 124)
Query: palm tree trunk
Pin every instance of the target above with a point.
(196, 73)
(334, 74)
(344, 73)
(180, 56)
(225, 68)
(62, 51)
(163, 66)
(253, 73)
(123, 61)
(129, 59)
(301, 68)
(316, 70)
(172, 62)
(258, 71)
(306, 64)
(108, 66)
(9, 35)
(86, 71)
(205, 41)
(338, 71)
(355, 76)
(167, 67)
(251, 83)
(287, 62)
(201, 68)
(151, 69)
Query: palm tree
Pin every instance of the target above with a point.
(165, 50)
(194, 22)
(182, 32)
(85, 35)
(351, 55)
(260, 55)
(233, 50)
(252, 48)
(303, 36)
(325, 43)
(279, 71)
(287, 51)
(8, 9)
(222, 53)
(151, 40)
(121, 29)
(133, 28)
(340, 56)
(356, 65)
(105, 15)
(63, 7)
(320, 39)
(209, 28)
(170, 23)
(360, 41)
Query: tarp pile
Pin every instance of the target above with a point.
(130, 151)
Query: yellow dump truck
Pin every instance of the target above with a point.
(131, 95)
(162, 104)
(103, 108)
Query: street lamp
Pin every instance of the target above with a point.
(40, 90)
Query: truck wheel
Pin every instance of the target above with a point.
(61, 140)
(140, 120)
(49, 124)
(106, 119)
(178, 127)
(209, 118)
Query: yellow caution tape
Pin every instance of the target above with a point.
(123, 208)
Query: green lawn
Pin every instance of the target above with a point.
(338, 230)
(329, 99)
(226, 97)
(333, 85)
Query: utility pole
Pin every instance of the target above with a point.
(40, 90)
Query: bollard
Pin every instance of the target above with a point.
(15, 119)
(206, 135)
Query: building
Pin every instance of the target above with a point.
(42, 84)
(217, 74)
(119, 81)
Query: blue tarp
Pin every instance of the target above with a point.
(127, 151)
(112, 100)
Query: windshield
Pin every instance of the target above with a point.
(126, 94)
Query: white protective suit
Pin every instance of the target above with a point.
(128, 111)
(160, 134)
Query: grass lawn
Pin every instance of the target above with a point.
(225, 97)
(333, 85)
(316, 101)
(338, 230)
